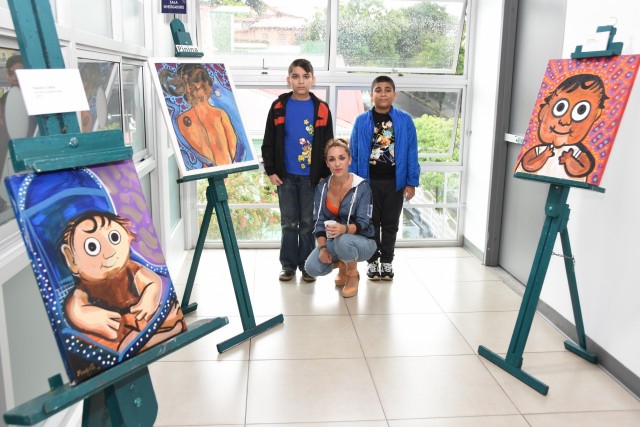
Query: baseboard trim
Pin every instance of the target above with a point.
(473, 250)
(610, 364)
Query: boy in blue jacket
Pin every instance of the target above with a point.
(384, 148)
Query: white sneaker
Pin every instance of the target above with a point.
(373, 271)
(386, 271)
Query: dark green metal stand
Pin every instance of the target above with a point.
(122, 395)
(557, 215)
(217, 197)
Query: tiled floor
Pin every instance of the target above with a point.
(399, 354)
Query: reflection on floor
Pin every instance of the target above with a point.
(399, 354)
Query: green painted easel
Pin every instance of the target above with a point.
(217, 197)
(122, 395)
(557, 216)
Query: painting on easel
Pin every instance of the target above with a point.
(576, 117)
(98, 264)
(201, 110)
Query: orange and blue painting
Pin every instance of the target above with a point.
(577, 114)
(97, 262)
(200, 108)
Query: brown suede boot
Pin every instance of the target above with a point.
(353, 279)
(341, 278)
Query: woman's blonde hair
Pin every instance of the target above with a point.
(337, 142)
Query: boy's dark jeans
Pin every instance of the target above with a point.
(295, 197)
(387, 208)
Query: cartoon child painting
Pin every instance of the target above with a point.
(577, 115)
(98, 263)
(114, 297)
(565, 119)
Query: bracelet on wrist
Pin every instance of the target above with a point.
(321, 247)
(346, 229)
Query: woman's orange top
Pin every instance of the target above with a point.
(332, 208)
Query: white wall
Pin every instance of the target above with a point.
(487, 31)
(604, 228)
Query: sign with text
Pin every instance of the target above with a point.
(52, 90)
(174, 6)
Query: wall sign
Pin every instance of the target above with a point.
(174, 6)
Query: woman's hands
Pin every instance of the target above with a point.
(325, 256)
(334, 230)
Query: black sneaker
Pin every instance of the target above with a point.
(307, 277)
(373, 271)
(386, 271)
(286, 274)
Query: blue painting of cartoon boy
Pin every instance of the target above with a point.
(114, 297)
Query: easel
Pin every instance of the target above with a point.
(557, 216)
(217, 197)
(122, 395)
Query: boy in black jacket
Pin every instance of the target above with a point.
(297, 130)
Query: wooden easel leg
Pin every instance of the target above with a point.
(219, 199)
(580, 350)
(557, 213)
(202, 236)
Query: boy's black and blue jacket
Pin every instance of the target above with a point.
(355, 208)
(405, 150)
(273, 141)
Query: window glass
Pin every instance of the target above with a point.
(101, 81)
(133, 97)
(133, 22)
(429, 215)
(268, 33)
(92, 16)
(253, 205)
(429, 223)
(400, 34)
(14, 121)
(435, 114)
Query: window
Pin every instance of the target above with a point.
(101, 81)
(264, 34)
(92, 16)
(399, 35)
(419, 43)
(133, 22)
(133, 125)
(14, 122)
(433, 212)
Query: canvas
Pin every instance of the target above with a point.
(98, 264)
(576, 117)
(200, 109)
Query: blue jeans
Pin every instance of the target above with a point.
(345, 247)
(295, 197)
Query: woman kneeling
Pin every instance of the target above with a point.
(342, 213)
